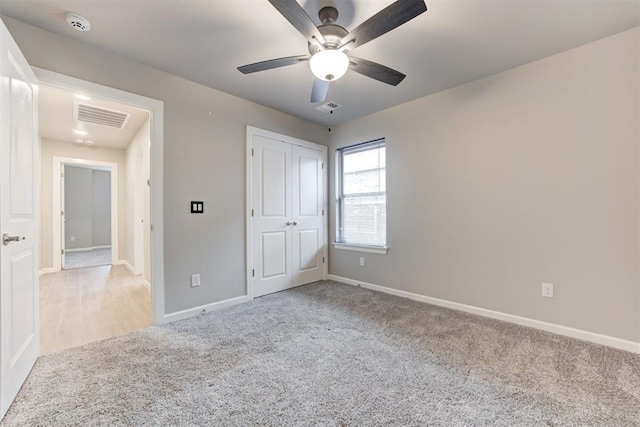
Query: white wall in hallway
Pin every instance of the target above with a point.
(138, 156)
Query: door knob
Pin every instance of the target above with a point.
(6, 239)
(295, 222)
(288, 223)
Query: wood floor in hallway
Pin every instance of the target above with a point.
(90, 304)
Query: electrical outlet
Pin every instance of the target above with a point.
(361, 261)
(547, 290)
(195, 280)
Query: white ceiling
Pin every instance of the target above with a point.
(454, 42)
(56, 119)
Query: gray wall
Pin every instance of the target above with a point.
(101, 215)
(78, 190)
(87, 195)
(494, 187)
(204, 160)
(525, 177)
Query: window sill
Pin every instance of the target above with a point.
(380, 250)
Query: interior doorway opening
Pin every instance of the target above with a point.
(94, 285)
(89, 214)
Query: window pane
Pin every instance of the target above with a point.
(365, 220)
(364, 171)
(368, 181)
(363, 198)
(359, 160)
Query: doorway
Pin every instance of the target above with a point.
(101, 207)
(95, 292)
(89, 213)
(286, 195)
(155, 174)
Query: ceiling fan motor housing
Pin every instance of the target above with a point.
(332, 34)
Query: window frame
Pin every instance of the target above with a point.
(339, 243)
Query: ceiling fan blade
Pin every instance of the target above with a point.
(384, 21)
(295, 14)
(319, 91)
(376, 71)
(272, 63)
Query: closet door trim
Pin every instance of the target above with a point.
(251, 133)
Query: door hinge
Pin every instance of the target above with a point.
(61, 213)
(61, 251)
(322, 165)
(253, 273)
(151, 227)
(149, 182)
(251, 212)
(61, 175)
(252, 152)
(323, 260)
(322, 212)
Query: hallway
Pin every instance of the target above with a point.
(92, 258)
(91, 304)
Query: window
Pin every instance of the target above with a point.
(362, 200)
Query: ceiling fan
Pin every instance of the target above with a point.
(330, 44)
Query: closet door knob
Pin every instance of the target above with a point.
(295, 223)
(288, 223)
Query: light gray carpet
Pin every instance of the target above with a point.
(91, 258)
(331, 354)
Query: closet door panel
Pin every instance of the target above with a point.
(271, 199)
(307, 215)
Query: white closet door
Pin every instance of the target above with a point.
(271, 186)
(307, 204)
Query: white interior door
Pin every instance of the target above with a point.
(307, 205)
(287, 199)
(19, 328)
(271, 184)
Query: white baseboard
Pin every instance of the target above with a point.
(87, 249)
(185, 314)
(46, 270)
(618, 343)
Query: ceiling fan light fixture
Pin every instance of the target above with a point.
(329, 64)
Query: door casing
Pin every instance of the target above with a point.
(156, 111)
(58, 206)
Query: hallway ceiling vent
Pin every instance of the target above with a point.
(99, 116)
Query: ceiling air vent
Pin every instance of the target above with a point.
(99, 116)
(328, 107)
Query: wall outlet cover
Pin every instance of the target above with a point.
(195, 280)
